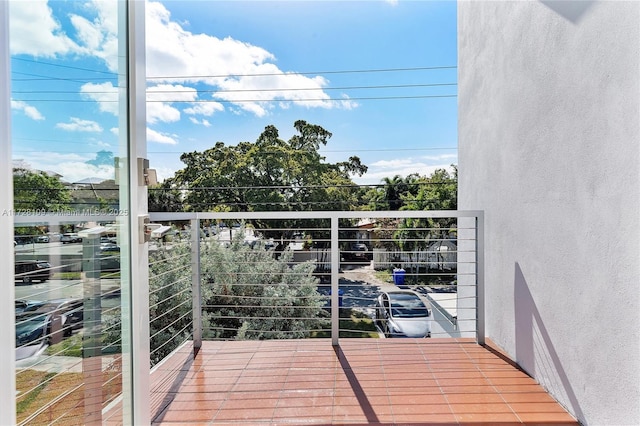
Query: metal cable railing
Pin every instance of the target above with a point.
(329, 274)
(68, 321)
(223, 276)
(170, 298)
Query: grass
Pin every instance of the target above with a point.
(352, 323)
(78, 275)
(71, 346)
(384, 275)
(36, 381)
(59, 397)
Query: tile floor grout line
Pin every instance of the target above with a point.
(229, 392)
(386, 387)
(289, 367)
(442, 392)
(488, 379)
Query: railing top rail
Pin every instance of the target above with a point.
(66, 217)
(170, 216)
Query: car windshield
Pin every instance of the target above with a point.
(29, 322)
(407, 305)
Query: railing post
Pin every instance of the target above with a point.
(480, 326)
(196, 292)
(335, 278)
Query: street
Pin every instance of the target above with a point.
(61, 289)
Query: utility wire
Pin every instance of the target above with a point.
(281, 73)
(45, 78)
(323, 151)
(151, 92)
(51, 64)
(371, 70)
(249, 187)
(373, 98)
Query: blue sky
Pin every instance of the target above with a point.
(222, 71)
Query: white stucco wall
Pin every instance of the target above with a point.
(549, 148)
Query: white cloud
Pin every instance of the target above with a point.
(105, 94)
(30, 111)
(203, 122)
(423, 166)
(155, 136)
(171, 93)
(241, 72)
(99, 37)
(35, 32)
(79, 125)
(347, 103)
(71, 166)
(392, 2)
(162, 112)
(164, 172)
(160, 98)
(204, 108)
(115, 131)
(422, 161)
(87, 32)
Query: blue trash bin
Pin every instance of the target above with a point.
(398, 276)
(340, 293)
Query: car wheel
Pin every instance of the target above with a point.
(26, 279)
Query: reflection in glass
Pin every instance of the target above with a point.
(68, 130)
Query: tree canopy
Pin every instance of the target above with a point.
(38, 191)
(269, 174)
(439, 191)
(248, 293)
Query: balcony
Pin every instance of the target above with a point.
(372, 381)
(336, 361)
(447, 379)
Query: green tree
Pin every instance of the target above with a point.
(35, 190)
(435, 192)
(248, 293)
(164, 198)
(269, 174)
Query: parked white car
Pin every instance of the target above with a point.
(402, 313)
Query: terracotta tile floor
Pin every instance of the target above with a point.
(309, 382)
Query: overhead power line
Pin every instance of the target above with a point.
(104, 92)
(46, 78)
(323, 151)
(71, 67)
(371, 70)
(237, 101)
(207, 76)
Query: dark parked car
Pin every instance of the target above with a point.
(402, 313)
(357, 252)
(32, 270)
(21, 240)
(70, 312)
(22, 304)
(32, 333)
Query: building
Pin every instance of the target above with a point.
(549, 124)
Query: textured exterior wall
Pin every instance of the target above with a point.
(549, 148)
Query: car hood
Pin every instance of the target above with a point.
(412, 327)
